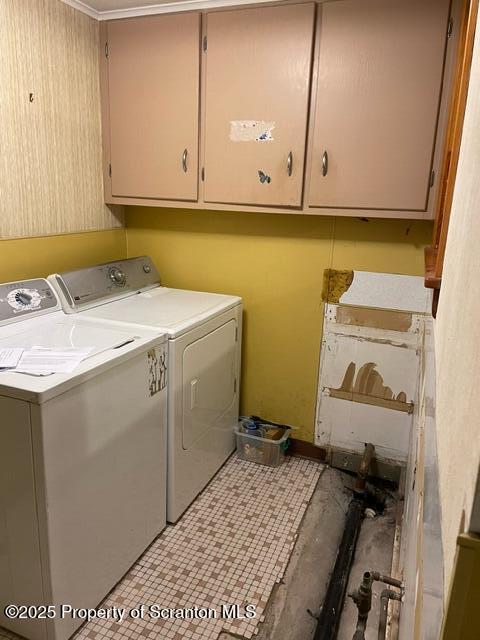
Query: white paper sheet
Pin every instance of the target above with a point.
(42, 362)
(9, 357)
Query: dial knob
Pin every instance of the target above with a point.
(23, 298)
(117, 276)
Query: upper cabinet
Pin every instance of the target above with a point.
(257, 79)
(330, 108)
(152, 111)
(376, 97)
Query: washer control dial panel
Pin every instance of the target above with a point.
(25, 298)
(117, 276)
(85, 288)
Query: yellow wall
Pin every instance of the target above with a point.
(38, 257)
(275, 262)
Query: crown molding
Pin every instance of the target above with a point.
(84, 8)
(164, 7)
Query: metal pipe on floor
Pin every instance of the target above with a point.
(387, 594)
(329, 618)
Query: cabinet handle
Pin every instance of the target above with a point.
(184, 159)
(290, 163)
(324, 164)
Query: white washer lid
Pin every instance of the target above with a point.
(65, 333)
(111, 344)
(173, 311)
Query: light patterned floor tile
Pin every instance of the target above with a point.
(231, 547)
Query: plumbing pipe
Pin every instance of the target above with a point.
(393, 582)
(329, 618)
(362, 597)
(364, 467)
(387, 594)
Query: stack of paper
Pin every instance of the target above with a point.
(39, 361)
(10, 357)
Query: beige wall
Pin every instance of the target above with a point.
(276, 263)
(457, 336)
(50, 149)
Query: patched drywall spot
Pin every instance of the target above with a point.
(374, 318)
(368, 388)
(335, 284)
(391, 291)
(251, 131)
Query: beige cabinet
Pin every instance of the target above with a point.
(376, 99)
(257, 74)
(152, 103)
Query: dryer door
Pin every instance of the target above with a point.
(209, 385)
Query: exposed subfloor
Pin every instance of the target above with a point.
(298, 591)
(297, 599)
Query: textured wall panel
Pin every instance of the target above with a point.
(50, 144)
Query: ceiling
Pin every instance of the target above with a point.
(112, 9)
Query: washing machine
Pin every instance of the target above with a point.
(82, 458)
(204, 350)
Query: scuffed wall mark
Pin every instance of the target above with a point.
(335, 284)
(374, 318)
(251, 131)
(368, 388)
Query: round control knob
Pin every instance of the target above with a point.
(147, 268)
(117, 276)
(23, 298)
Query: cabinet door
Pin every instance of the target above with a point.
(257, 87)
(153, 87)
(378, 90)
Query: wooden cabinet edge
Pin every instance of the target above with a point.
(305, 211)
(104, 110)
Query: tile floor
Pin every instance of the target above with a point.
(230, 547)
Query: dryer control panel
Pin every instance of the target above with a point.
(89, 287)
(24, 298)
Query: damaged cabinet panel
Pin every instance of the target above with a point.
(367, 389)
(369, 364)
(257, 89)
(367, 386)
(153, 102)
(375, 318)
(379, 80)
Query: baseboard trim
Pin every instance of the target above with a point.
(345, 460)
(307, 450)
(350, 461)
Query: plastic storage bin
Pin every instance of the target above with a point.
(253, 448)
